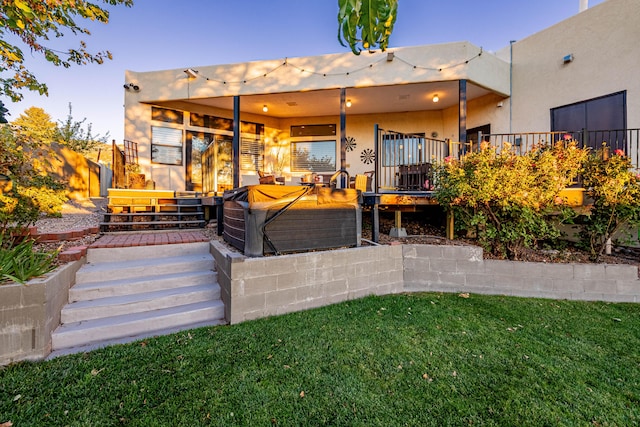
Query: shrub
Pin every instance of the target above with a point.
(615, 190)
(506, 198)
(19, 261)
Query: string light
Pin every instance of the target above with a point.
(288, 63)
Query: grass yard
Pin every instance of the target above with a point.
(416, 360)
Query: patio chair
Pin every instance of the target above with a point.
(266, 179)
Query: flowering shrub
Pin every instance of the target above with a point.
(506, 197)
(615, 190)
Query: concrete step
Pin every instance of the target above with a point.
(151, 283)
(124, 340)
(131, 325)
(115, 270)
(99, 255)
(135, 303)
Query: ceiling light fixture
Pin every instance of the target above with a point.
(436, 98)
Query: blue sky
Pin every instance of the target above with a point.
(163, 34)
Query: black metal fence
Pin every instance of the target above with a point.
(626, 140)
(403, 161)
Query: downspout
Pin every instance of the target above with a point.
(511, 85)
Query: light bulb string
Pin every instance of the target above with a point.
(288, 63)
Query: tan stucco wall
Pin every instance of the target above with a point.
(604, 42)
(330, 71)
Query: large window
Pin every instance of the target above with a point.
(313, 156)
(166, 145)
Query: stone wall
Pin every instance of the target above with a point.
(29, 313)
(259, 287)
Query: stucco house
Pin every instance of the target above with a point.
(213, 127)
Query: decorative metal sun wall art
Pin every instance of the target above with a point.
(367, 156)
(350, 143)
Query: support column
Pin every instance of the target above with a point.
(462, 114)
(398, 231)
(235, 147)
(375, 222)
(343, 136)
(450, 234)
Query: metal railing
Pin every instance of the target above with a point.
(626, 140)
(403, 160)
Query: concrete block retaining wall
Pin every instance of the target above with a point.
(462, 269)
(259, 287)
(29, 313)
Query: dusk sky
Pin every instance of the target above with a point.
(165, 34)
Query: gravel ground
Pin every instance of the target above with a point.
(80, 214)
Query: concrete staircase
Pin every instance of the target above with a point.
(125, 294)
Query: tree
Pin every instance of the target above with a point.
(34, 22)
(35, 126)
(73, 135)
(366, 22)
(25, 160)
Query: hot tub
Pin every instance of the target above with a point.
(274, 219)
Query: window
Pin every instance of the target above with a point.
(251, 154)
(166, 145)
(211, 122)
(315, 156)
(403, 149)
(167, 115)
(313, 130)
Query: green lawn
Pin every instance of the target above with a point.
(417, 360)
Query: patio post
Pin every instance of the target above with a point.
(462, 114)
(235, 147)
(343, 136)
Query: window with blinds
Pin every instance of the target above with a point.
(251, 154)
(313, 156)
(166, 145)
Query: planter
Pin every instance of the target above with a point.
(29, 313)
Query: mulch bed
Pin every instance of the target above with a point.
(421, 229)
